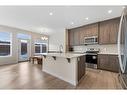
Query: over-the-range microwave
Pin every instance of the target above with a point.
(91, 40)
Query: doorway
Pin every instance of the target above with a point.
(24, 50)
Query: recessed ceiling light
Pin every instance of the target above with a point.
(50, 13)
(109, 11)
(72, 23)
(86, 18)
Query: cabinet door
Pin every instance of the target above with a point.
(81, 67)
(93, 30)
(71, 38)
(81, 36)
(88, 31)
(108, 62)
(113, 59)
(103, 62)
(114, 30)
(108, 31)
(104, 32)
(76, 37)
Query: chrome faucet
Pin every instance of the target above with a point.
(60, 48)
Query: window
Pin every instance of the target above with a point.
(40, 48)
(23, 36)
(5, 44)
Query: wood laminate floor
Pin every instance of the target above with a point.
(30, 76)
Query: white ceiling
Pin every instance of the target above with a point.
(37, 18)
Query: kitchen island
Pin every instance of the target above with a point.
(66, 66)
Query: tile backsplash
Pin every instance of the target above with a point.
(104, 49)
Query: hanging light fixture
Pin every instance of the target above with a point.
(44, 38)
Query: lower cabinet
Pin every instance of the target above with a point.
(108, 62)
(81, 67)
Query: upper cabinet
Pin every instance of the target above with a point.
(73, 37)
(70, 38)
(78, 34)
(88, 31)
(108, 31)
(76, 37)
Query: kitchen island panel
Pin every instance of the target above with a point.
(61, 68)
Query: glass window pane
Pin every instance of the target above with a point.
(4, 50)
(43, 48)
(4, 37)
(37, 48)
(5, 43)
(23, 36)
(23, 48)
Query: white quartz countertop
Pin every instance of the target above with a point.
(64, 55)
(109, 53)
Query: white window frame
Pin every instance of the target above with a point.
(8, 44)
(40, 47)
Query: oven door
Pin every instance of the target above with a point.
(91, 60)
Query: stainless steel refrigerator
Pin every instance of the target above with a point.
(122, 48)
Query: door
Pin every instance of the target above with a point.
(23, 50)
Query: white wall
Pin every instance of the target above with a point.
(14, 58)
(57, 38)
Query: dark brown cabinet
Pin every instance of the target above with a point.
(81, 67)
(70, 38)
(108, 62)
(76, 37)
(88, 31)
(108, 31)
(113, 59)
(73, 37)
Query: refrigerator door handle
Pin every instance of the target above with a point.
(119, 45)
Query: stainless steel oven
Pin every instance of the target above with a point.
(91, 60)
(91, 57)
